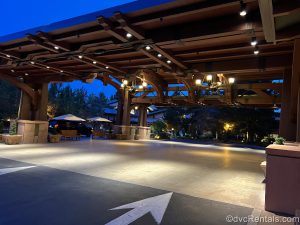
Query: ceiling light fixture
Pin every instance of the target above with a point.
(129, 35)
(26, 74)
(32, 62)
(144, 84)
(256, 51)
(159, 55)
(61, 71)
(56, 47)
(8, 56)
(148, 47)
(107, 67)
(94, 62)
(12, 71)
(253, 41)
(243, 11)
(48, 67)
(80, 56)
(169, 62)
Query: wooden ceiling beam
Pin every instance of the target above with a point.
(266, 12)
(124, 22)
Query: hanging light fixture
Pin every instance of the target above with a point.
(144, 84)
(125, 82)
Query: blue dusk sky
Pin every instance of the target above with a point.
(18, 15)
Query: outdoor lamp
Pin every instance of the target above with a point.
(231, 80)
(125, 82)
(144, 84)
(198, 81)
(209, 77)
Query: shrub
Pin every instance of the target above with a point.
(13, 127)
(279, 140)
(1, 127)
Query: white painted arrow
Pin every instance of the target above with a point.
(155, 205)
(13, 169)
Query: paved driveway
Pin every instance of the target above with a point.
(85, 179)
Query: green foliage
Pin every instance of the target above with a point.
(78, 102)
(267, 140)
(1, 127)
(13, 127)
(158, 126)
(9, 100)
(279, 140)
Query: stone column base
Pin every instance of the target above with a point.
(33, 131)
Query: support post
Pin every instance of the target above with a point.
(32, 123)
(143, 115)
(126, 108)
(287, 128)
(28, 111)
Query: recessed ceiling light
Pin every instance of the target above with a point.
(129, 35)
(61, 71)
(8, 56)
(169, 62)
(148, 47)
(80, 56)
(159, 55)
(32, 62)
(12, 71)
(48, 67)
(26, 74)
(56, 47)
(106, 67)
(94, 62)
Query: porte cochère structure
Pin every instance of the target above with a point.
(152, 50)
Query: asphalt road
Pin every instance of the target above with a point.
(45, 196)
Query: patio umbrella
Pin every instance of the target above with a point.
(99, 119)
(69, 117)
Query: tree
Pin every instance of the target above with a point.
(9, 100)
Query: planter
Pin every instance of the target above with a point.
(12, 139)
(54, 138)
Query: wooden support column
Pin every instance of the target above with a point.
(120, 109)
(28, 111)
(143, 115)
(126, 108)
(287, 129)
(295, 80)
